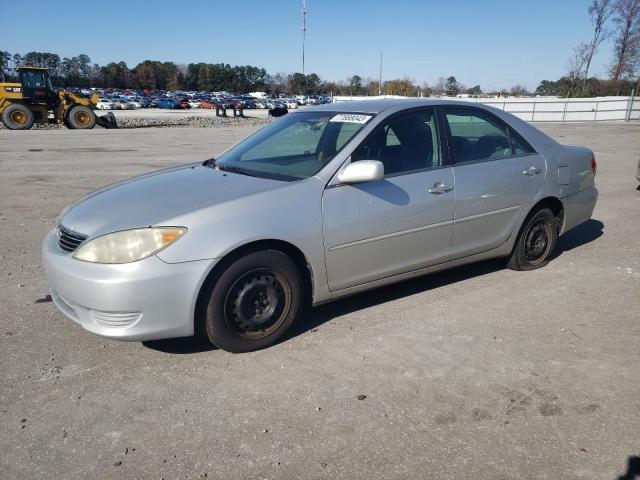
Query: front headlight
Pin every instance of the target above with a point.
(128, 245)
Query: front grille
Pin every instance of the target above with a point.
(69, 240)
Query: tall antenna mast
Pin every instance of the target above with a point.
(304, 29)
(380, 77)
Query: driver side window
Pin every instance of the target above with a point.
(403, 144)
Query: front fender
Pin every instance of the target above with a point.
(291, 213)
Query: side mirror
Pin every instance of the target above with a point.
(362, 171)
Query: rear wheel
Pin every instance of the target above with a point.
(536, 241)
(253, 303)
(81, 117)
(17, 117)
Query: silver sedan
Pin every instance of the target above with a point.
(322, 203)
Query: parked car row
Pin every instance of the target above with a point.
(122, 103)
(114, 99)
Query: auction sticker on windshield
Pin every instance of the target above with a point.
(350, 118)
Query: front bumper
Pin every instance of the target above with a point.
(144, 300)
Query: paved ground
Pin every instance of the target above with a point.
(480, 372)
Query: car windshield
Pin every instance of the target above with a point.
(295, 147)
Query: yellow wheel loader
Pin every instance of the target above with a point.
(33, 99)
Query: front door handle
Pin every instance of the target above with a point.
(532, 170)
(439, 188)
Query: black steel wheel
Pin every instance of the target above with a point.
(253, 302)
(536, 241)
(257, 303)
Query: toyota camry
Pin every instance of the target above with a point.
(322, 203)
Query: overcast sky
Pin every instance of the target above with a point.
(494, 43)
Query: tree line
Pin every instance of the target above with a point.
(80, 71)
(618, 20)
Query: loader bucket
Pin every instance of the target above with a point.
(107, 121)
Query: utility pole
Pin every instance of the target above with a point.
(304, 29)
(380, 77)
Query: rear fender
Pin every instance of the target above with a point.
(574, 169)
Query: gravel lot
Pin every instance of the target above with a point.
(159, 117)
(480, 372)
(161, 113)
(198, 117)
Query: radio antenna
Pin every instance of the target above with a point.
(380, 77)
(304, 29)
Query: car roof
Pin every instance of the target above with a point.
(538, 139)
(377, 106)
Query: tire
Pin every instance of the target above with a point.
(254, 302)
(81, 118)
(536, 241)
(17, 117)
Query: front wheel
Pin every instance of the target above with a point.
(253, 302)
(536, 241)
(81, 118)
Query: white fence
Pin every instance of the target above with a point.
(552, 109)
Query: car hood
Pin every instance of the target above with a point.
(152, 198)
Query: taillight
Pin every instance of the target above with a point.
(594, 165)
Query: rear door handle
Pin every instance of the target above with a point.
(532, 170)
(439, 188)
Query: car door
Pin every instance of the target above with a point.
(401, 223)
(529, 171)
(488, 202)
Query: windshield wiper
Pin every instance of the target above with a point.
(211, 162)
(238, 170)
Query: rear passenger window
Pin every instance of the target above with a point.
(476, 135)
(518, 144)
